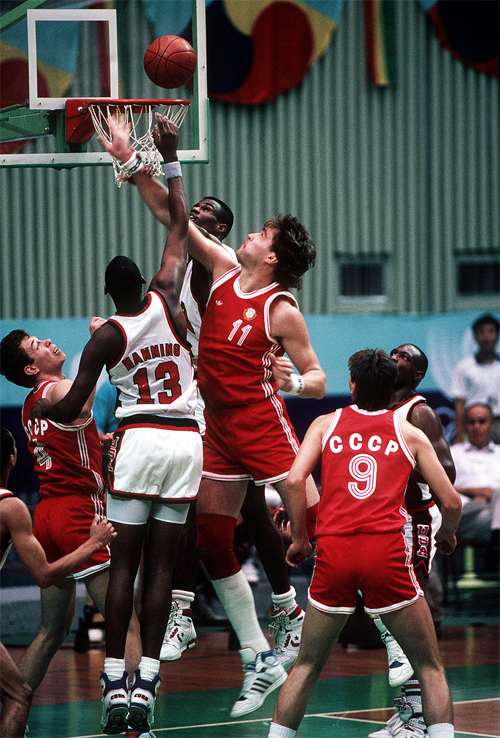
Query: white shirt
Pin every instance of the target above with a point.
(475, 382)
(476, 467)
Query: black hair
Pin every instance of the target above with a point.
(123, 279)
(224, 214)
(294, 249)
(13, 359)
(375, 374)
(485, 319)
(421, 361)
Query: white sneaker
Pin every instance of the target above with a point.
(115, 702)
(287, 630)
(415, 727)
(400, 669)
(263, 673)
(179, 635)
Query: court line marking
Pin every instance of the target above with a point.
(343, 715)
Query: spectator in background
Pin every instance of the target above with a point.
(476, 378)
(477, 463)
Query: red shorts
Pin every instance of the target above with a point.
(376, 564)
(256, 442)
(62, 524)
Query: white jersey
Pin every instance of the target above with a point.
(154, 373)
(403, 411)
(193, 311)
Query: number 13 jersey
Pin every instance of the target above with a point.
(154, 373)
(365, 468)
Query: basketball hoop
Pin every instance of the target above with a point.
(83, 117)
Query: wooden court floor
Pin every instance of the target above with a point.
(351, 699)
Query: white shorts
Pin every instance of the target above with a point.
(157, 462)
(132, 511)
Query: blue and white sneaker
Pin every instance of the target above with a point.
(114, 704)
(400, 669)
(142, 702)
(263, 673)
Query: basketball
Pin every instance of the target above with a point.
(170, 61)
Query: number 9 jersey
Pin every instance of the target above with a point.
(365, 468)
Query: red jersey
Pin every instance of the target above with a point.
(365, 468)
(234, 367)
(67, 458)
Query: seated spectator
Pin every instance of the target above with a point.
(477, 378)
(477, 463)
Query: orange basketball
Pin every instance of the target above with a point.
(170, 61)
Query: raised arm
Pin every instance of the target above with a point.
(16, 517)
(288, 328)
(156, 196)
(168, 279)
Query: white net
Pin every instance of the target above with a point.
(141, 119)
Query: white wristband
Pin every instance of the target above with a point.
(172, 169)
(134, 164)
(297, 384)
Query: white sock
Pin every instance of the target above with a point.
(285, 601)
(114, 668)
(441, 730)
(149, 668)
(236, 597)
(279, 731)
(183, 598)
(413, 694)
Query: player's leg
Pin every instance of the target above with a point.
(97, 587)
(286, 615)
(180, 633)
(119, 603)
(219, 504)
(57, 611)
(319, 634)
(160, 553)
(266, 537)
(413, 628)
(15, 697)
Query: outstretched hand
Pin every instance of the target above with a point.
(120, 146)
(166, 137)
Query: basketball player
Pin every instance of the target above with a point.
(16, 530)
(423, 522)
(367, 454)
(211, 220)
(248, 434)
(156, 453)
(67, 460)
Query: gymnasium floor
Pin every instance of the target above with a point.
(351, 699)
